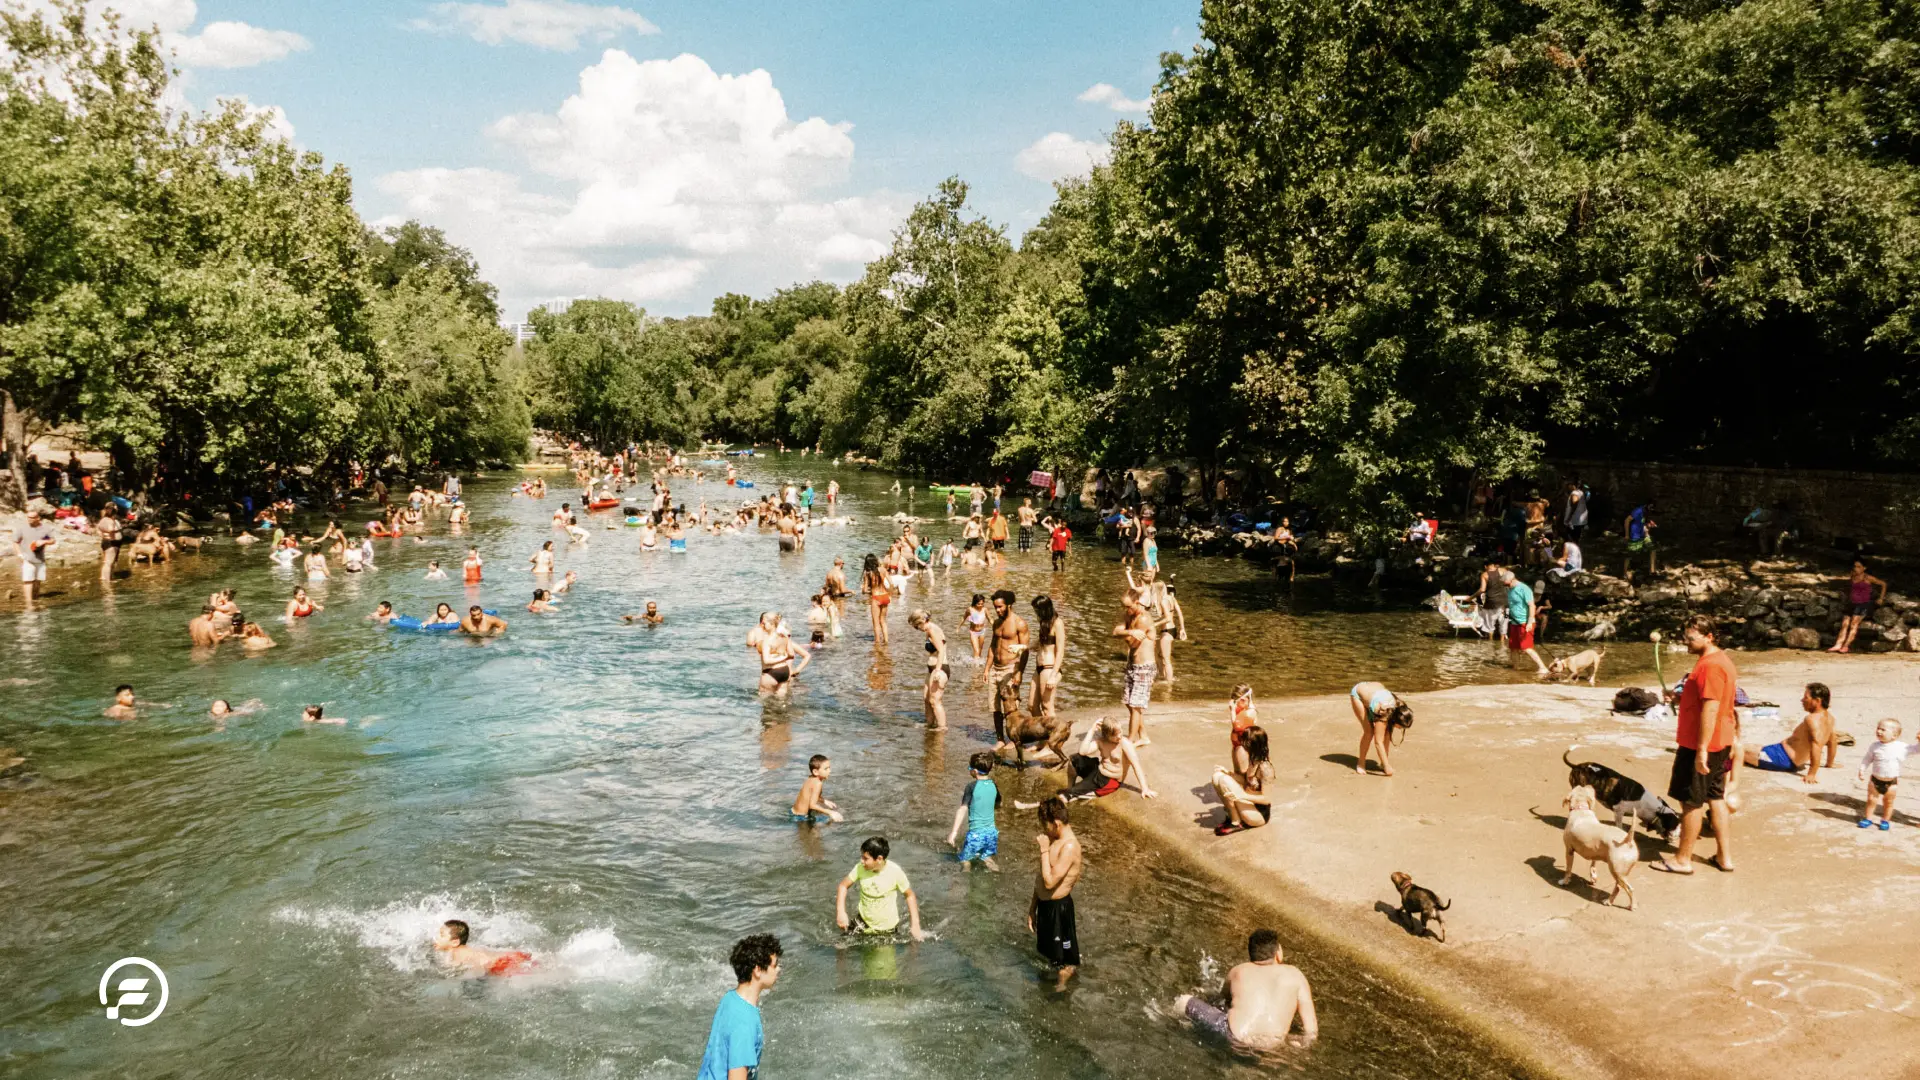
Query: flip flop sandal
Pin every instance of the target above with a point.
(1666, 867)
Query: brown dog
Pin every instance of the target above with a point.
(1585, 663)
(1424, 904)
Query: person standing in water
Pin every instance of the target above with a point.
(1049, 652)
(938, 671)
(471, 568)
(1007, 662)
(1050, 911)
(874, 584)
(542, 560)
(735, 1040)
(1136, 632)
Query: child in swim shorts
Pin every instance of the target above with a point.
(977, 805)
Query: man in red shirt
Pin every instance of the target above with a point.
(1705, 735)
(1058, 535)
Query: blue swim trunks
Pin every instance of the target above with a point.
(1774, 757)
(805, 819)
(981, 844)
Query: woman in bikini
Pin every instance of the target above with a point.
(977, 625)
(777, 659)
(937, 670)
(1050, 648)
(1243, 788)
(1379, 713)
(300, 607)
(874, 584)
(317, 566)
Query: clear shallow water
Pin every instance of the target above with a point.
(614, 799)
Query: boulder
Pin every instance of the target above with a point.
(1913, 640)
(1801, 637)
(1655, 594)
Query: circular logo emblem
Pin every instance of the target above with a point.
(134, 992)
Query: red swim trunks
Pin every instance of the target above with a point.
(511, 963)
(1519, 638)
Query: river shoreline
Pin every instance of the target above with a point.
(1800, 961)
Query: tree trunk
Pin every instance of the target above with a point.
(13, 454)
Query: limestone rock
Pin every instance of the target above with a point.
(1801, 637)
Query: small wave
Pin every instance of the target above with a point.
(402, 933)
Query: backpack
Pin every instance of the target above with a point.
(1635, 699)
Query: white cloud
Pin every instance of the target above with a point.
(560, 25)
(1058, 155)
(224, 44)
(662, 182)
(1109, 95)
(235, 45)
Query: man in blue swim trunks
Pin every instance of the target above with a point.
(1801, 749)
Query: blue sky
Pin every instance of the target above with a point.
(630, 150)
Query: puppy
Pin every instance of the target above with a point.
(1597, 843)
(1572, 667)
(1624, 796)
(1424, 904)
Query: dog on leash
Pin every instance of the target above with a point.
(1423, 904)
(1590, 839)
(1632, 804)
(1586, 662)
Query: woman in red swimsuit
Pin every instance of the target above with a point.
(300, 607)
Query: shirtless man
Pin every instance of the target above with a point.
(1028, 515)
(480, 624)
(451, 939)
(1050, 912)
(207, 629)
(788, 533)
(123, 704)
(1263, 996)
(1101, 765)
(1801, 749)
(1163, 612)
(1007, 662)
(836, 590)
(1136, 632)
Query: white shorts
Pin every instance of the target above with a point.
(32, 571)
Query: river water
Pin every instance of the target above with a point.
(614, 799)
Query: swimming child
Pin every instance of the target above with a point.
(452, 940)
(812, 802)
(1880, 768)
(542, 602)
(877, 880)
(434, 573)
(315, 714)
(566, 585)
(383, 613)
(978, 802)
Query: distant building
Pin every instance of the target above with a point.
(522, 332)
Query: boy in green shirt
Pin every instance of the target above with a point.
(877, 879)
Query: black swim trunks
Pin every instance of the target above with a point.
(1053, 932)
(1882, 786)
(1697, 789)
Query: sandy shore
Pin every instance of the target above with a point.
(1803, 962)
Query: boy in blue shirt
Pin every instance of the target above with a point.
(733, 1045)
(977, 805)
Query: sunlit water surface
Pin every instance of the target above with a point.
(614, 799)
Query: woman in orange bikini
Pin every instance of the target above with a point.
(874, 584)
(472, 566)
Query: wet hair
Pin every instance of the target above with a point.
(206, 609)
(1703, 625)
(474, 609)
(1052, 810)
(388, 604)
(219, 702)
(314, 711)
(872, 563)
(978, 599)
(1400, 717)
(460, 930)
(123, 688)
(753, 953)
(982, 762)
(1821, 694)
(918, 620)
(1043, 609)
(539, 594)
(1004, 596)
(875, 846)
(1262, 944)
(1255, 740)
(814, 763)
